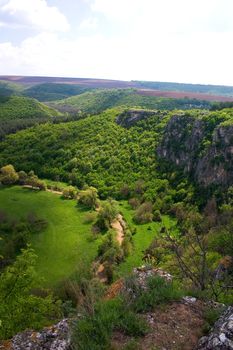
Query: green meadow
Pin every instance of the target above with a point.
(65, 245)
(141, 240)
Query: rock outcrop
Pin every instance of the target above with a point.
(131, 116)
(221, 336)
(52, 338)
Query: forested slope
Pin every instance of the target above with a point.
(99, 100)
(17, 107)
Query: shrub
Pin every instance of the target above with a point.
(88, 197)
(144, 213)
(94, 330)
(16, 300)
(158, 291)
(134, 203)
(211, 315)
(157, 216)
(106, 215)
(69, 192)
(8, 175)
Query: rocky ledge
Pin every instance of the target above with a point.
(221, 336)
(52, 338)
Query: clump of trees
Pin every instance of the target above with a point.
(69, 192)
(89, 198)
(9, 176)
(15, 234)
(144, 213)
(193, 251)
(106, 214)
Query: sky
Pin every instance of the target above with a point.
(188, 41)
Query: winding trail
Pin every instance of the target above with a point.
(119, 226)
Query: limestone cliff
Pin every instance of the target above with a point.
(201, 147)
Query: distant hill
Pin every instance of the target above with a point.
(194, 88)
(87, 83)
(7, 88)
(98, 100)
(53, 91)
(18, 107)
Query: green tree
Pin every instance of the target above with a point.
(107, 214)
(8, 175)
(89, 197)
(69, 192)
(19, 309)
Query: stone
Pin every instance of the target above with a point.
(221, 335)
(56, 337)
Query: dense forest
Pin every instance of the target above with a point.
(99, 183)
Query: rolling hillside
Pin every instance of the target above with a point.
(53, 91)
(97, 101)
(18, 107)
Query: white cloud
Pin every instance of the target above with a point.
(169, 15)
(166, 58)
(35, 14)
(166, 40)
(89, 23)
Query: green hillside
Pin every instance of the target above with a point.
(99, 100)
(8, 89)
(94, 150)
(53, 91)
(17, 107)
(100, 152)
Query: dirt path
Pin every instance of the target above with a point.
(118, 225)
(47, 189)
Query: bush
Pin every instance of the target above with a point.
(8, 175)
(106, 215)
(16, 300)
(69, 192)
(211, 315)
(144, 213)
(88, 197)
(157, 216)
(94, 331)
(110, 250)
(158, 291)
(134, 203)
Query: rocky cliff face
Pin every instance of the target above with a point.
(199, 148)
(129, 117)
(216, 166)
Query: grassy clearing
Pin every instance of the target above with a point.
(142, 239)
(64, 246)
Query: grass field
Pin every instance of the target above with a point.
(142, 239)
(64, 246)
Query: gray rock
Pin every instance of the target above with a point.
(221, 335)
(56, 337)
